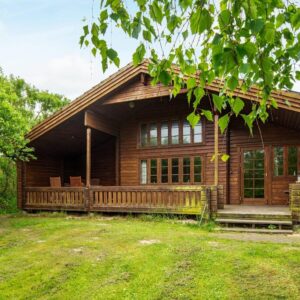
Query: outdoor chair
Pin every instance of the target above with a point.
(55, 182)
(75, 181)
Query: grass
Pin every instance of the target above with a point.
(62, 257)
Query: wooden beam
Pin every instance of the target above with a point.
(101, 123)
(216, 149)
(117, 160)
(88, 156)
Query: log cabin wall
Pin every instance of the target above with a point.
(38, 171)
(103, 162)
(272, 135)
(157, 111)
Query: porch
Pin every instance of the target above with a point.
(193, 200)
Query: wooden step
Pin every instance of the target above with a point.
(279, 217)
(254, 221)
(255, 230)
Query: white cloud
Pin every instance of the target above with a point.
(70, 75)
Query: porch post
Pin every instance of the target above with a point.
(88, 156)
(216, 149)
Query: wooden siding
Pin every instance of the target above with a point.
(272, 135)
(131, 153)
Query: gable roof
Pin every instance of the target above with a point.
(286, 100)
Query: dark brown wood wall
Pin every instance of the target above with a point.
(272, 135)
(131, 153)
(38, 171)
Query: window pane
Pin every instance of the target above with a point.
(143, 171)
(198, 133)
(143, 135)
(186, 169)
(153, 171)
(175, 177)
(197, 169)
(153, 134)
(186, 133)
(164, 133)
(292, 161)
(164, 171)
(278, 161)
(175, 132)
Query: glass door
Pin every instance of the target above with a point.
(253, 181)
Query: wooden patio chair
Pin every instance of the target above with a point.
(55, 182)
(75, 181)
(95, 181)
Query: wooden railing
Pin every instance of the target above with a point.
(179, 199)
(176, 199)
(55, 198)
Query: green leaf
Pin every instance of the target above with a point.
(191, 83)
(156, 12)
(113, 56)
(237, 105)
(193, 119)
(232, 83)
(224, 18)
(225, 157)
(223, 122)
(94, 51)
(200, 21)
(199, 93)
(269, 33)
(208, 114)
(164, 77)
(147, 36)
(218, 102)
(257, 25)
(248, 120)
(139, 54)
(86, 30)
(298, 75)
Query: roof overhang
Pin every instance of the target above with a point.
(285, 100)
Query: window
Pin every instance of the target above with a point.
(198, 133)
(170, 133)
(186, 135)
(285, 161)
(164, 171)
(144, 171)
(164, 135)
(186, 169)
(153, 134)
(153, 171)
(175, 132)
(175, 170)
(278, 161)
(197, 169)
(144, 135)
(292, 161)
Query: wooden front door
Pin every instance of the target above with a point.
(253, 177)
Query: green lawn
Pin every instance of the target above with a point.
(46, 257)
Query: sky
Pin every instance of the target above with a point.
(39, 41)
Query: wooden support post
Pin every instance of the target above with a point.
(216, 149)
(117, 160)
(88, 157)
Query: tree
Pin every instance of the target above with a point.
(21, 107)
(241, 42)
